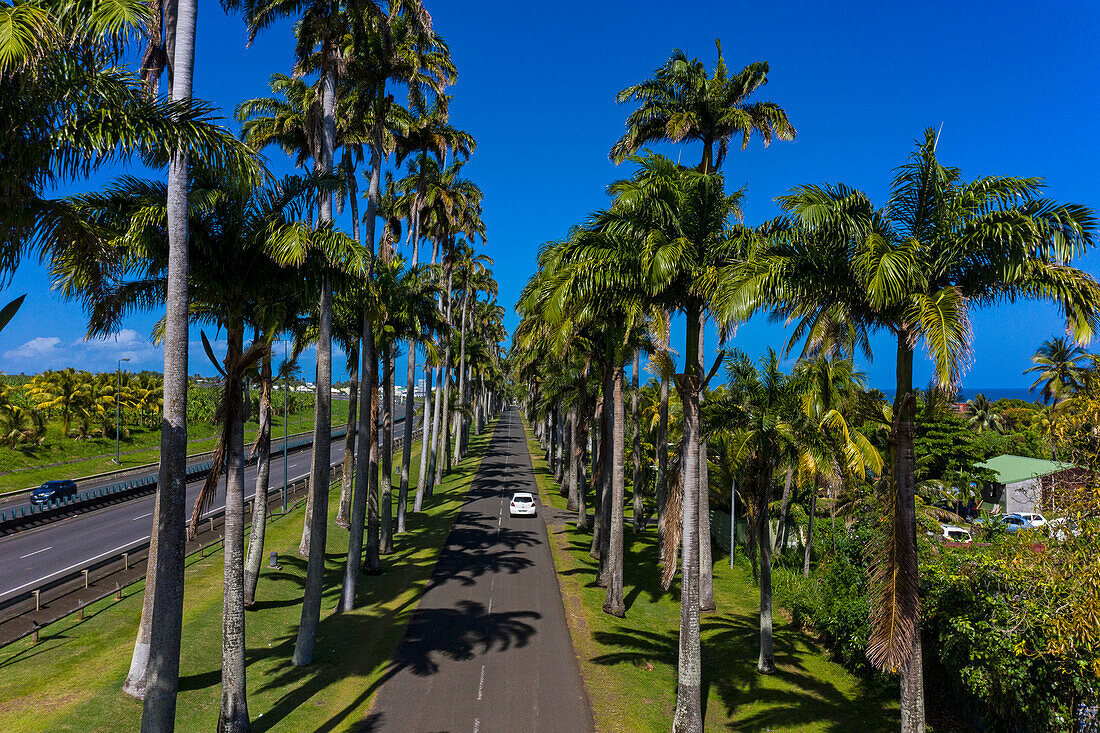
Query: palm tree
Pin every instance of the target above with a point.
(1058, 366)
(69, 119)
(762, 411)
(828, 386)
(63, 390)
(397, 46)
(681, 103)
(914, 269)
(475, 277)
(982, 416)
(233, 228)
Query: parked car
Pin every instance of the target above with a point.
(1033, 520)
(1062, 528)
(522, 503)
(951, 533)
(53, 490)
(1015, 522)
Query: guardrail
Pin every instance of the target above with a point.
(124, 566)
(134, 469)
(95, 498)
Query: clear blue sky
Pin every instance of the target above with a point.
(1014, 85)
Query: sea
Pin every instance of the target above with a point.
(993, 393)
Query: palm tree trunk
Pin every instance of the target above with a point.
(636, 446)
(706, 561)
(766, 662)
(263, 475)
(905, 518)
(580, 440)
(322, 425)
(689, 714)
(780, 535)
(437, 424)
(599, 471)
(385, 496)
(424, 474)
(154, 669)
(373, 564)
(461, 417)
(406, 447)
(445, 384)
(809, 535)
(662, 468)
(233, 716)
(564, 461)
(347, 477)
(367, 440)
(319, 485)
(555, 446)
(613, 603)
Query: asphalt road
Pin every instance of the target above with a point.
(32, 555)
(488, 649)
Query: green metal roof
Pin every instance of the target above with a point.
(1010, 469)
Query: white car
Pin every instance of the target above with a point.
(522, 504)
(951, 533)
(1033, 520)
(1063, 528)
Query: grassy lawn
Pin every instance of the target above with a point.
(71, 680)
(97, 455)
(629, 665)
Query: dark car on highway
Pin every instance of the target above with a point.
(53, 490)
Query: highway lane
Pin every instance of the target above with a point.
(29, 556)
(488, 649)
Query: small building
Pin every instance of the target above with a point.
(1028, 484)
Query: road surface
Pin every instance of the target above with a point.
(488, 649)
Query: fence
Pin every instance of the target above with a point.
(720, 531)
(122, 567)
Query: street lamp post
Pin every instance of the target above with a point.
(118, 411)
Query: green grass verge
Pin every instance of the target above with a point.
(97, 455)
(71, 679)
(629, 664)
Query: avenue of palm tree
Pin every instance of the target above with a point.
(377, 244)
(834, 266)
(224, 245)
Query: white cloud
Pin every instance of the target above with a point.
(127, 338)
(36, 348)
(52, 352)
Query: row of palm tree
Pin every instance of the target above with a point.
(836, 269)
(224, 245)
(89, 398)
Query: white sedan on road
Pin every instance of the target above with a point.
(522, 504)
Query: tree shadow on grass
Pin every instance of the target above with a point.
(793, 698)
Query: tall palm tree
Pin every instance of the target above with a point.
(681, 103)
(72, 106)
(915, 269)
(233, 228)
(1058, 366)
(396, 46)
